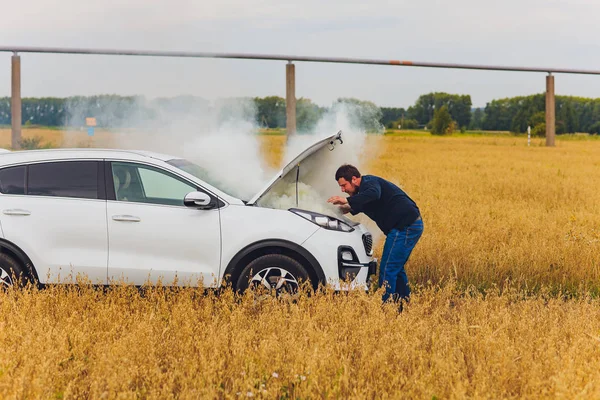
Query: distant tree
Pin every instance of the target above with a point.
(307, 114)
(539, 130)
(389, 115)
(224, 110)
(573, 114)
(511, 114)
(477, 119)
(566, 117)
(459, 107)
(5, 111)
(594, 128)
(442, 122)
(404, 124)
(109, 110)
(271, 111)
(363, 114)
(537, 118)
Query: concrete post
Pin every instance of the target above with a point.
(290, 98)
(550, 111)
(15, 102)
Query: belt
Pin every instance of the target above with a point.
(406, 226)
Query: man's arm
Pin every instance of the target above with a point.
(369, 192)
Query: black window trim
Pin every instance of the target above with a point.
(110, 186)
(101, 180)
(26, 180)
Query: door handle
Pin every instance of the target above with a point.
(126, 218)
(16, 211)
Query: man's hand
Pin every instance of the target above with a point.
(345, 208)
(337, 200)
(342, 202)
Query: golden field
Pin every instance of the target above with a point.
(63, 343)
(505, 277)
(494, 209)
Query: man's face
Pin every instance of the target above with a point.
(348, 187)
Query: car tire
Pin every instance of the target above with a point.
(276, 273)
(11, 269)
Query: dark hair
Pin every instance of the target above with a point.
(347, 171)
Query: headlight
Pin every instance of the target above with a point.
(323, 221)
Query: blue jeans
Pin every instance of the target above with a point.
(396, 250)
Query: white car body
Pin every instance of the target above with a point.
(112, 238)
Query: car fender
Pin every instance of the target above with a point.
(230, 270)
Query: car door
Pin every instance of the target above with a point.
(56, 213)
(152, 235)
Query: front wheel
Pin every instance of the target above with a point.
(274, 273)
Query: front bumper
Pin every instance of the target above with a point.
(349, 269)
(326, 246)
(372, 268)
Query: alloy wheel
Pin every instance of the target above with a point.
(5, 279)
(275, 279)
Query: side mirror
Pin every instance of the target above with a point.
(198, 200)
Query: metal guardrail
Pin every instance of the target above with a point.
(290, 75)
(290, 58)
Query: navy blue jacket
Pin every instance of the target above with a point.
(383, 202)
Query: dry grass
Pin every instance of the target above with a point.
(496, 210)
(61, 138)
(67, 343)
(102, 138)
(497, 215)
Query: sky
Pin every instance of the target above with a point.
(544, 33)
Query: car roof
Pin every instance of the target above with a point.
(12, 157)
(25, 156)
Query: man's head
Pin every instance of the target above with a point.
(348, 177)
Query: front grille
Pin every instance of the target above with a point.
(368, 242)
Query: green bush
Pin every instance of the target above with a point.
(539, 130)
(537, 118)
(404, 124)
(594, 128)
(442, 123)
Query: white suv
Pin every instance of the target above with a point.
(140, 217)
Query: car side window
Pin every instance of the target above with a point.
(12, 180)
(64, 179)
(144, 184)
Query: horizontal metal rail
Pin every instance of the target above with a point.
(290, 58)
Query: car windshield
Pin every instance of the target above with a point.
(198, 172)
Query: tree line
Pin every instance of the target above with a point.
(516, 114)
(573, 114)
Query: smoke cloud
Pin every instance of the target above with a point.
(317, 174)
(222, 138)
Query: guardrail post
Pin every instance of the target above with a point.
(290, 98)
(15, 102)
(550, 111)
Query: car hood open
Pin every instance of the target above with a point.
(292, 173)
